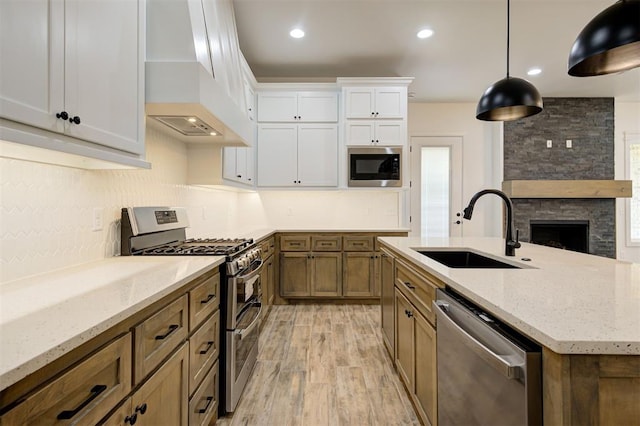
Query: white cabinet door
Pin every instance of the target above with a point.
(390, 102)
(277, 106)
(311, 107)
(318, 107)
(250, 99)
(390, 132)
(83, 58)
(241, 164)
(32, 62)
(248, 176)
(278, 155)
(229, 163)
(375, 132)
(103, 72)
(379, 102)
(360, 102)
(318, 155)
(360, 132)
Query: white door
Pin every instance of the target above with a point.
(103, 70)
(318, 155)
(360, 103)
(389, 102)
(229, 163)
(277, 106)
(436, 186)
(278, 155)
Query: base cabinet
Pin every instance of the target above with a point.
(162, 399)
(310, 274)
(416, 357)
(361, 274)
(387, 301)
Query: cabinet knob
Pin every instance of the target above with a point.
(238, 176)
(141, 408)
(132, 419)
(409, 313)
(376, 114)
(63, 115)
(373, 113)
(377, 141)
(458, 222)
(74, 120)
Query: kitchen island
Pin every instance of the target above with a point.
(583, 310)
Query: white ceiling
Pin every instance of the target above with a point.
(377, 38)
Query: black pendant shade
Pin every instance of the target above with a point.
(610, 43)
(510, 98)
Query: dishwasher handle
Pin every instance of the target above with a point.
(506, 368)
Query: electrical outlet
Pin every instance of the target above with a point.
(569, 143)
(97, 219)
(549, 143)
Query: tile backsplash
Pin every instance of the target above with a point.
(46, 211)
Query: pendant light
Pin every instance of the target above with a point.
(510, 98)
(610, 43)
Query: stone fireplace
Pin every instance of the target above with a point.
(588, 123)
(564, 234)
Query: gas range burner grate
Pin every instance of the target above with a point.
(198, 247)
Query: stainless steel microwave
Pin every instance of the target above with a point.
(375, 166)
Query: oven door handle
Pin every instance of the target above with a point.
(242, 333)
(242, 278)
(508, 369)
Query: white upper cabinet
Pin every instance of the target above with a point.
(308, 107)
(298, 155)
(375, 132)
(238, 165)
(75, 67)
(376, 102)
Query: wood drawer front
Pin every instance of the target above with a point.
(203, 405)
(82, 395)
(204, 349)
(268, 247)
(326, 243)
(358, 243)
(420, 290)
(295, 243)
(158, 336)
(203, 300)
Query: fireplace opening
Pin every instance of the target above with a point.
(565, 234)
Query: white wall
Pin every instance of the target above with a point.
(627, 120)
(482, 156)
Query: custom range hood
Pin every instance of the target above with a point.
(194, 87)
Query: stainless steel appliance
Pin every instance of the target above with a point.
(375, 166)
(488, 374)
(160, 231)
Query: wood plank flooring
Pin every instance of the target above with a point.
(323, 365)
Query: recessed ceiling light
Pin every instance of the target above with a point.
(534, 71)
(213, 134)
(191, 120)
(296, 33)
(426, 33)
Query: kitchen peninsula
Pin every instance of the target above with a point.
(583, 310)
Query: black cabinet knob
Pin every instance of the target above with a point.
(74, 120)
(238, 176)
(63, 115)
(458, 222)
(132, 419)
(141, 408)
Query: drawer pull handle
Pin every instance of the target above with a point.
(410, 286)
(208, 299)
(141, 408)
(172, 328)
(206, 407)
(95, 391)
(207, 349)
(358, 244)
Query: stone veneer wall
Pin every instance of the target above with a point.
(588, 122)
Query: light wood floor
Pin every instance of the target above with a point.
(323, 365)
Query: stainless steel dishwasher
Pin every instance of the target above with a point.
(488, 374)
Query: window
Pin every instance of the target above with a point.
(632, 145)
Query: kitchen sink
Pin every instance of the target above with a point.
(465, 259)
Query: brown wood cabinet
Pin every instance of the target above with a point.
(162, 399)
(267, 277)
(84, 394)
(415, 334)
(387, 300)
(337, 266)
(143, 368)
(310, 274)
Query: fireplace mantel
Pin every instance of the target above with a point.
(567, 188)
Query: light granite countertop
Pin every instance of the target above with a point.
(46, 316)
(570, 302)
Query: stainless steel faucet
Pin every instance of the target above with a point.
(510, 244)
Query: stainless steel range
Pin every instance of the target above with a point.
(160, 231)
